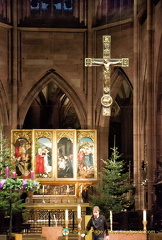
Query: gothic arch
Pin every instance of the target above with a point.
(117, 78)
(108, 125)
(49, 76)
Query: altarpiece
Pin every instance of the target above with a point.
(63, 161)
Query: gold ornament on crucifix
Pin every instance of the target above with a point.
(106, 62)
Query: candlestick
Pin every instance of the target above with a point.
(7, 172)
(43, 194)
(14, 175)
(144, 225)
(79, 228)
(144, 215)
(67, 230)
(79, 211)
(32, 174)
(66, 215)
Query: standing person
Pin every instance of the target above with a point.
(99, 225)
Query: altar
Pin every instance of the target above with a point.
(64, 163)
(42, 214)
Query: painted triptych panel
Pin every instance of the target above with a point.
(55, 154)
(22, 152)
(86, 154)
(65, 154)
(43, 154)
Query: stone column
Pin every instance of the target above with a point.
(89, 71)
(150, 139)
(136, 137)
(14, 67)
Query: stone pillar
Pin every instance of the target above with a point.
(14, 64)
(150, 139)
(136, 136)
(89, 71)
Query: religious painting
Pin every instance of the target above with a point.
(65, 162)
(43, 154)
(86, 155)
(22, 152)
(58, 154)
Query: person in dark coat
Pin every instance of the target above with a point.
(99, 225)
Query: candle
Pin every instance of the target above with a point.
(67, 189)
(66, 215)
(81, 188)
(79, 211)
(55, 220)
(144, 215)
(43, 189)
(32, 174)
(111, 220)
(7, 172)
(14, 175)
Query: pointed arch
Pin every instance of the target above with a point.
(117, 78)
(106, 125)
(49, 76)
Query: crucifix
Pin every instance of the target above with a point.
(106, 62)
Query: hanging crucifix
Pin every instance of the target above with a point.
(106, 62)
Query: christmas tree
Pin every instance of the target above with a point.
(113, 191)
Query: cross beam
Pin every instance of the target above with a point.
(106, 62)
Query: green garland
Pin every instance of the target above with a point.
(17, 184)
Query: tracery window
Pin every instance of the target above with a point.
(51, 5)
(52, 13)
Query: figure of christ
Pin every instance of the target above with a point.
(106, 66)
(106, 62)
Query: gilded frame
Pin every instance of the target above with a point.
(43, 154)
(86, 154)
(65, 145)
(71, 142)
(21, 150)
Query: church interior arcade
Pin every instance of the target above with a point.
(49, 93)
